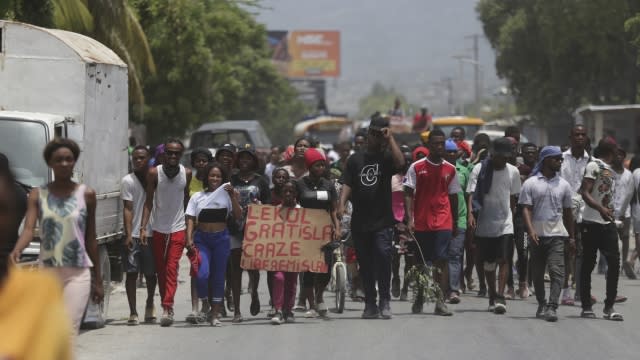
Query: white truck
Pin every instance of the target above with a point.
(59, 83)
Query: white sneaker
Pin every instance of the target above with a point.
(311, 314)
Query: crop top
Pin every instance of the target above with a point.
(211, 207)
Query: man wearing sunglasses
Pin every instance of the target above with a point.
(547, 210)
(167, 195)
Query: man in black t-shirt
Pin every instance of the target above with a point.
(21, 203)
(367, 183)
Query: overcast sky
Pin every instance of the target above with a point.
(405, 43)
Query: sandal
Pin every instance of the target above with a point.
(611, 314)
(133, 320)
(237, 318)
(588, 314)
(620, 299)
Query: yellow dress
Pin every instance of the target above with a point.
(33, 320)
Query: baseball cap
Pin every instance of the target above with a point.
(450, 145)
(502, 146)
(378, 122)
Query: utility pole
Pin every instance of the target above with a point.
(476, 59)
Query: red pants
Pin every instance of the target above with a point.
(167, 251)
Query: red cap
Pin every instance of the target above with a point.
(418, 150)
(311, 156)
(464, 146)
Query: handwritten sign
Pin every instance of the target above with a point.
(285, 239)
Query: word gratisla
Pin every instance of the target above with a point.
(288, 224)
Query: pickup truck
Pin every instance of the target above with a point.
(56, 83)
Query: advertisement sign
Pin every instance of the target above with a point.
(285, 239)
(314, 54)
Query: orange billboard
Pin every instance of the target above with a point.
(314, 54)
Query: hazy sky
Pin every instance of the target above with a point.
(405, 43)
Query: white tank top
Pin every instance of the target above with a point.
(168, 216)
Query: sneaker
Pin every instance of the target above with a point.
(289, 318)
(300, 308)
(418, 303)
(627, 267)
(541, 311)
(454, 298)
(404, 295)
(611, 314)
(547, 278)
(167, 319)
(395, 287)
(385, 310)
(277, 319)
(311, 314)
(150, 314)
(237, 319)
(370, 312)
(492, 308)
(322, 309)
(271, 313)
(216, 323)
(501, 307)
(510, 295)
(192, 318)
(442, 309)
(133, 320)
(482, 292)
(550, 315)
(588, 313)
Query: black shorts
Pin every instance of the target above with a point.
(496, 249)
(434, 245)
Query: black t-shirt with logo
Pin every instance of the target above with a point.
(369, 177)
(316, 195)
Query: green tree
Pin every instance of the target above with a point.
(560, 54)
(213, 63)
(381, 99)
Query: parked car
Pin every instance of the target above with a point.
(238, 132)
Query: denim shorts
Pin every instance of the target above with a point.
(433, 244)
(139, 258)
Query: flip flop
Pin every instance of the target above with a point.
(613, 316)
(588, 314)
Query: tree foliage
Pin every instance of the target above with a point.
(213, 63)
(380, 98)
(560, 54)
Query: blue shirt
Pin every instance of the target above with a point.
(548, 198)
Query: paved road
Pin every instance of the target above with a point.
(471, 333)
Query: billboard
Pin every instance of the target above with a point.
(306, 54)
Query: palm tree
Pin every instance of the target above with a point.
(112, 22)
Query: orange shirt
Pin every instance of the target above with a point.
(33, 320)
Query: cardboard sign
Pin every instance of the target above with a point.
(285, 239)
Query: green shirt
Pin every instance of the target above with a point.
(463, 177)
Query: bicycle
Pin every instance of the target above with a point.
(339, 274)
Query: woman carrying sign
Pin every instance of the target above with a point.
(207, 212)
(317, 192)
(283, 287)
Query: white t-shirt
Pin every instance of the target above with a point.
(635, 206)
(624, 193)
(495, 218)
(217, 199)
(603, 191)
(132, 190)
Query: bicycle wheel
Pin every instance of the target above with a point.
(341, 287)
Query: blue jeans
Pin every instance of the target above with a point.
(455, 253)
(214, 248)
(373, 250)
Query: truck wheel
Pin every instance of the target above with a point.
(96, 314)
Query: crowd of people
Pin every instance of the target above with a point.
(443, 204)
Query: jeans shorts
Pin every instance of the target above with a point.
(139, 258)
(495, 249)
(433, 244)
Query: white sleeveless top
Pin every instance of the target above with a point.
(168, 216)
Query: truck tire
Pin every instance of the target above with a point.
(96, 314)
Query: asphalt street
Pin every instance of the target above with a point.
(471, 332)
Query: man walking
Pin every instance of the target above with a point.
(494, 184)
(167, 195)
(367, 182)
(137, 255)
(599, 230)
(546, 207)
(431, 205)
(574, 162)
